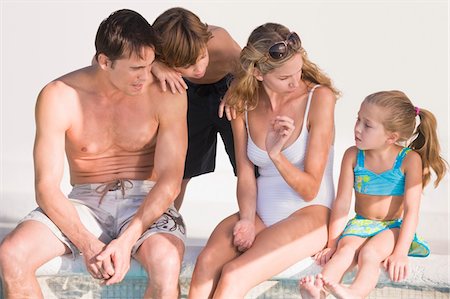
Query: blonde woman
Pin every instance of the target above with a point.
(285, 127)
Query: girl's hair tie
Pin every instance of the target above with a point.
(417, 109)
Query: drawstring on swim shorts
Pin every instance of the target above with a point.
(122, 184)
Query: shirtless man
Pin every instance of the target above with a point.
(125, 141)
(206, 57)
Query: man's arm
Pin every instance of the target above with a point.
(170, 154)
(53, 119)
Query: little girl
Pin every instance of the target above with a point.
(388, 180)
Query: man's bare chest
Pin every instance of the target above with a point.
(101, 130)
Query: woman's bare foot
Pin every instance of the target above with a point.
(338, 290)
(310, 287)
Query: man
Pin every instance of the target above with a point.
(125, 141)
(206, 57)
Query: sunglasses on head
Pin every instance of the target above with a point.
(280, 49)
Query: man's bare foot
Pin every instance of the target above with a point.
(338, 290)
(310, 287)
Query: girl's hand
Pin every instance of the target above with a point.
(167, 75)
(397, 267)
(279, 132)
(323, 256)
(244, 234)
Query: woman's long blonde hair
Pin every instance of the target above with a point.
(243, 92)
(400, 116)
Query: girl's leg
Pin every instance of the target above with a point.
(374, 251)
(275, 248)
(343, 259)
(218, 251)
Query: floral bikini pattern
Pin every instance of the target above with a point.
(360, 183)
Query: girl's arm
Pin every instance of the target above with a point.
(320, 124)
(341, 205)
(397, 262)
(244, 231)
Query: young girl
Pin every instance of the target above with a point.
(388, 180)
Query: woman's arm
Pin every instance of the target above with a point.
(244, 230)
(320, 124)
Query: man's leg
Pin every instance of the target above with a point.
(26, 248)
(161, 255)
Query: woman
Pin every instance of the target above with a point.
(285, 127)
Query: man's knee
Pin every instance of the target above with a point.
(163, 252)
(12, 259)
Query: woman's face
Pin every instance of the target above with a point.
(286, 78)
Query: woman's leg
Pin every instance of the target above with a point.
(275, 248)
(374, 251)
(218, 251)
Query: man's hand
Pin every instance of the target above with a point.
(98, 269)
(167, 75)
(120, 256)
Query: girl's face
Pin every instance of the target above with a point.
(369, 129)
(197, 70)
(286, 78)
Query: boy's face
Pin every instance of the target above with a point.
(197, 70)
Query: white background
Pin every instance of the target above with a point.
(365, 46)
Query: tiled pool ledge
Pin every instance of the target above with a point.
(65, 278)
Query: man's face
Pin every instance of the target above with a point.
(197, 70)
(132, 74)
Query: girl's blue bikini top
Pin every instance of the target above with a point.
(389, 182)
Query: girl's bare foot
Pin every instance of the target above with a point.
(338, 290)
(310, 287)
